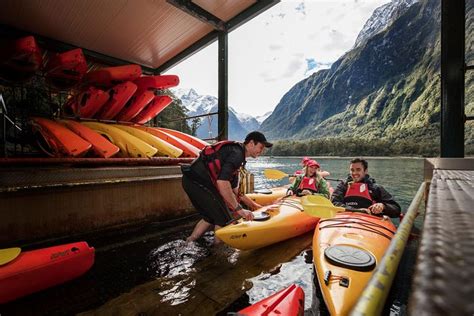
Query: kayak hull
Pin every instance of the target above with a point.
(87, 103)
(37, 270)
(119, 96)
(107, 77)
(287, 302)
(267, 197)
(65, 70)
(188, 149)
(365, 234)
(136, 104)
(158, 104)
(60, 141)
(196, 142)
(287, 220)
(20, 59)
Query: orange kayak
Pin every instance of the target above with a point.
(287, 302)
(188, 149)
(346, 251)
(58, 141)
(36, 270)
(65, 70)
(110, 76)
(100, 145)
(158, 104)
(196, 142)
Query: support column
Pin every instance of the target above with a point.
(452, 78)
(223, 95)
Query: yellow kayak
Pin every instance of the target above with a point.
(130, 146)
(286, 220)
(164, 148)
(267, 196)
(346, 251)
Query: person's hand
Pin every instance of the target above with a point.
(289, 192)
(246, 214)
(306, 192)
(377, 208)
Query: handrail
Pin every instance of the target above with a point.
(372, 300)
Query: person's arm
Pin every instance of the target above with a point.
(293, 187)
(337, 197)
(250, 203)
(225, 190)
(385, 204)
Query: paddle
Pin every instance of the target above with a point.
(8, 254)
(319, 206)
(274, 174)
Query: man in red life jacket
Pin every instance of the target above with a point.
(211, 182)
(361, 191)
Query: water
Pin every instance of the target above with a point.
(399, 176)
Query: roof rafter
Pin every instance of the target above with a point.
(199, 13)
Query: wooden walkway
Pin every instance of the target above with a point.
(443, 283)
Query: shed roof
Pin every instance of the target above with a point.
(153, 33)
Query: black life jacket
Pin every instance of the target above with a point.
(211, 157)
(358, 195)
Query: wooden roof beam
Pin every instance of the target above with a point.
(199, 13)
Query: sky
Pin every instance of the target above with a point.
(277, 49)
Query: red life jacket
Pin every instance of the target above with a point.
(212, 158)
(308, 183)
(358, 195)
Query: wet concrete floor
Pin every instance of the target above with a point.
(149, 270)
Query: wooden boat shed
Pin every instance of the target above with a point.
(42, 201)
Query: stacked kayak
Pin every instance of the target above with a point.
(65, 70)
(272, 224)
(36, 270)
(287, 302)
(346, 251)
(20, 59)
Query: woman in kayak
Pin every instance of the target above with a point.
(311, 182)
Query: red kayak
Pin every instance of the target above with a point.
(158, 104)
(37, 270)
(287, 302)
(119, 96)
(110, 76)
(136, 104)
(19, 60)
(156, 82)
(87, 103)
(65, 70)
(188, 149)
(196, 142)
(58, 141)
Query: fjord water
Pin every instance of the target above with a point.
(400, 176)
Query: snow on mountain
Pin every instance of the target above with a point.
(263, 117)
(239, 123)
(382, 18)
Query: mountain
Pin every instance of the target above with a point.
(240, 124)
(382, 18)
(387, 87)
(263, 117)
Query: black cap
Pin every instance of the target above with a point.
(257, 137)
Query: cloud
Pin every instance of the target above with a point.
(301, 8)
(274, 47)
(293, 67)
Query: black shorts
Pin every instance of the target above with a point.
(206, 200)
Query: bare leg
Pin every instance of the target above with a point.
(201, 227)
(217, 241)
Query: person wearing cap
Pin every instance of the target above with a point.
(360, 191)
(211, 182)
(310, 182)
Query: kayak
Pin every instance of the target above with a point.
(107, 77)
(119, 96)
(158, 104)
(65, 70)
(100, 145)
(196, 142)
(37, 270)
(137, 103)
(130, 146)
(272, 224)
(188, 149)
(156, 82)
(87, 103)
(163, 148)
(346, 251)
(287, 302)
(20, 59)
(58, 141)
(267, 196)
